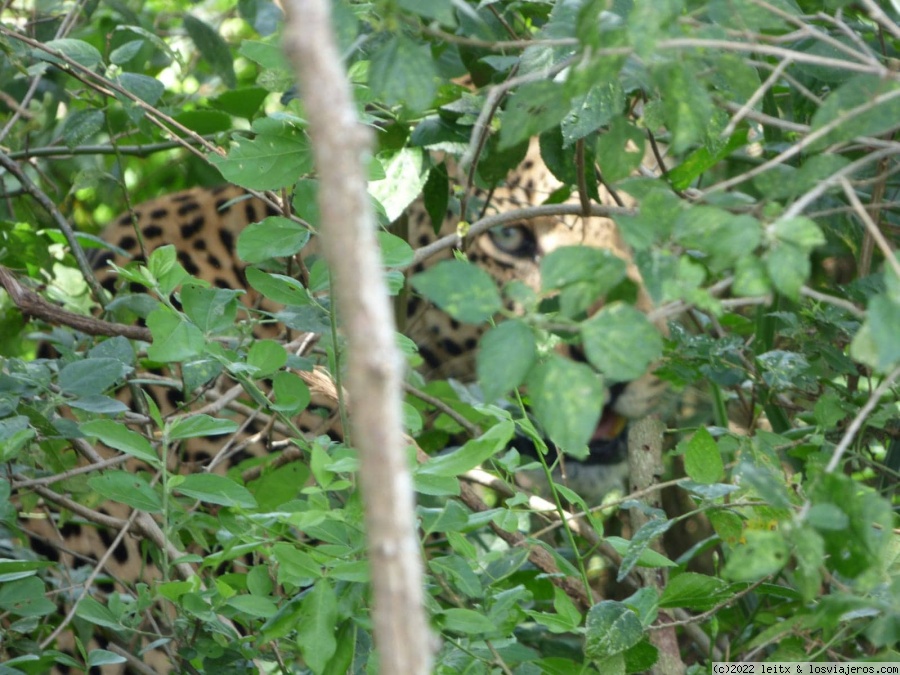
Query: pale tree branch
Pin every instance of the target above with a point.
(645, 466)
(341, 145)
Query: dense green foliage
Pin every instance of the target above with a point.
(767, 243)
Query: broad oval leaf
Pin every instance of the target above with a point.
(197, 426)
(117, 436)
(567, 398)
(274, 237)
(80, 52)
(621, 342)
(265, 357)
(315, 629)
(466, 292)
(402, 72)
(215, 489)
(127, 488)
(277, 287)
(91, 376)
(291, 393)
(473, 453)
(702, 459)
(505, 355)
(174, 339)
(271, 161)
(610, 629)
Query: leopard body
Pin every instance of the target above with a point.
(203, 224)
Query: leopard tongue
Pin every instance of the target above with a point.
(610, 425)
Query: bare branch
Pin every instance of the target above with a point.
(872, 228)
(857, 423)
(341, 144)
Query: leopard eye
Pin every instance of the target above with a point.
(514, 240)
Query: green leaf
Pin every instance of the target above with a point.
(860, 90)
(277, 287)
(647, 558)
(198, 426)
(442, 11)
(473, 453)
(703, 158)
(860, 547)
(15, 434)
(799, 231)
(532, 109)
(122, 55)
(505, 355)
(295, 566)
(685, 102)
(174, 339)
(436, 486)
(26, 597)
(80, 125)
(436, 196)
(402, 72)
(883, 321)
(315, 629)
(610, 629)
(404, 178)
(567, 398)
(91, 376)
(640, 544)
(10, 570)
(215, 489)
(163, 261)
(93, 612)
(272, 160)
(212, 310)
(718, 234)
(253, 605)
(101, 657)
(268, 55)
(641, 658)
(127, 488)
(789, 268)
(291, 393)
(764, 554)
(213, 48)
(621, 342)
(242, 102)
(265, 357)
(78, 51)
(809, 552)
(592, 110)
(692, 591)
(205, 121)
(395, 252)
(117, 436)
(583, 274)
(466, 292)
(467, 622)
(702, 460)
(274, 237)
(147, 89)
(620, 150)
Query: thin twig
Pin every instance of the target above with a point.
(857, 423)
(872, 228)
(484, 224)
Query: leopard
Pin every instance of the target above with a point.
(203, 225)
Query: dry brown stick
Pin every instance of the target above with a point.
(340, 145)
(32, 304)
(538, 556)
